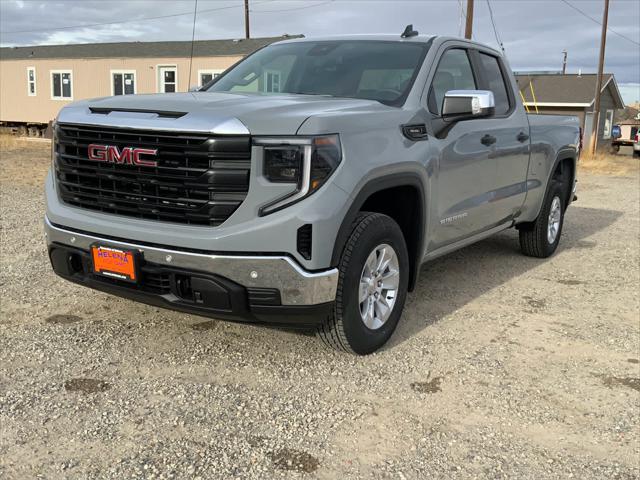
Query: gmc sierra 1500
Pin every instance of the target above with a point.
(307, 184)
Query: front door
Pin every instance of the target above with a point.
(465, 173)
(168, 79)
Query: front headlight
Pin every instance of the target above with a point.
(306, 162)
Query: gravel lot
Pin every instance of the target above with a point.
(502, 366)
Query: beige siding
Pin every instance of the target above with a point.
(90, 78)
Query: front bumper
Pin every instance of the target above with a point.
(243, 278)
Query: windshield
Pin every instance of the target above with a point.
(374, 70)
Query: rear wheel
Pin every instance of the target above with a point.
(541, 237)
(372, 286)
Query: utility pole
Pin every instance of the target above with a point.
(468, 31)
(564, 62)
(596, 108)
(246, 19)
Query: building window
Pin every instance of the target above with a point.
(123, 82)
(608, 124)
(167, 79)
(272, 81)
(61, 85)
(205, 76)
(31, 81)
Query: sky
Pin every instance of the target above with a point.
(534, 33)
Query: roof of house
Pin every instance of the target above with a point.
(201, 48)
(570, 90)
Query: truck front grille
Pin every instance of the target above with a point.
(199, 179)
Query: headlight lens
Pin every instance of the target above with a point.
(305, 161)
(283, 164)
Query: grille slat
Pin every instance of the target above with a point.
(199, 179)
(223, 180)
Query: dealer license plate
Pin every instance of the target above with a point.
(114, 263)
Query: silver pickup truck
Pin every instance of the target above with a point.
(307, 185)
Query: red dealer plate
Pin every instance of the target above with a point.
(114, 263)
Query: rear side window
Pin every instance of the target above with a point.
(454, 73)
(493, 75)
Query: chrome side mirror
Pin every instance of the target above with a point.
(466, 104)
(194, 88)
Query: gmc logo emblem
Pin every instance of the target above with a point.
(128, 155)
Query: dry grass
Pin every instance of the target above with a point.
(23, 161)
(610, 164)
(9, 142)
(13, 142)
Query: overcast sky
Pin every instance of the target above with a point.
(534, 32)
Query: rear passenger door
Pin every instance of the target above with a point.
(509, 127)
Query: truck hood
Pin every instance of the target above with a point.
(212, 112)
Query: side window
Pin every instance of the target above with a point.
(31, 81)
(123, 83)
(493, 75)
(453, 73)
(61, 87)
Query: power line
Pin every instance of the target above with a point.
(495, 30)
(294, 8)
(600, 23)
(143, 19)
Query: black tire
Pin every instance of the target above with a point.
(636, 153)
(345, 330)
(534, 241)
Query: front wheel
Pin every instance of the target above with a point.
(541, 237)
(372, 286)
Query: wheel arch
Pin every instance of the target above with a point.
(366, 200)
(564, 166)
(565, 156)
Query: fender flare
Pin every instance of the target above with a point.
(566, 153)
(405, 179)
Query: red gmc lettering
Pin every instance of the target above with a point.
(97, 153)
(115, 156)
(141, 161)
(128, 155)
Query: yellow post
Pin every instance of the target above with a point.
(524, 102)
(533, 94)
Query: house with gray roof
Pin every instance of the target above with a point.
(573, 94)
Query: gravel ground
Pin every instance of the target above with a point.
(503, 367)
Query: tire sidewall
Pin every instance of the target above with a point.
(556, 190)
(362, 339)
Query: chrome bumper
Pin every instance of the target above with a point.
(296, 285)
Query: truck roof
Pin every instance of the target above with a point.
(369, 36)
(388, 37)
